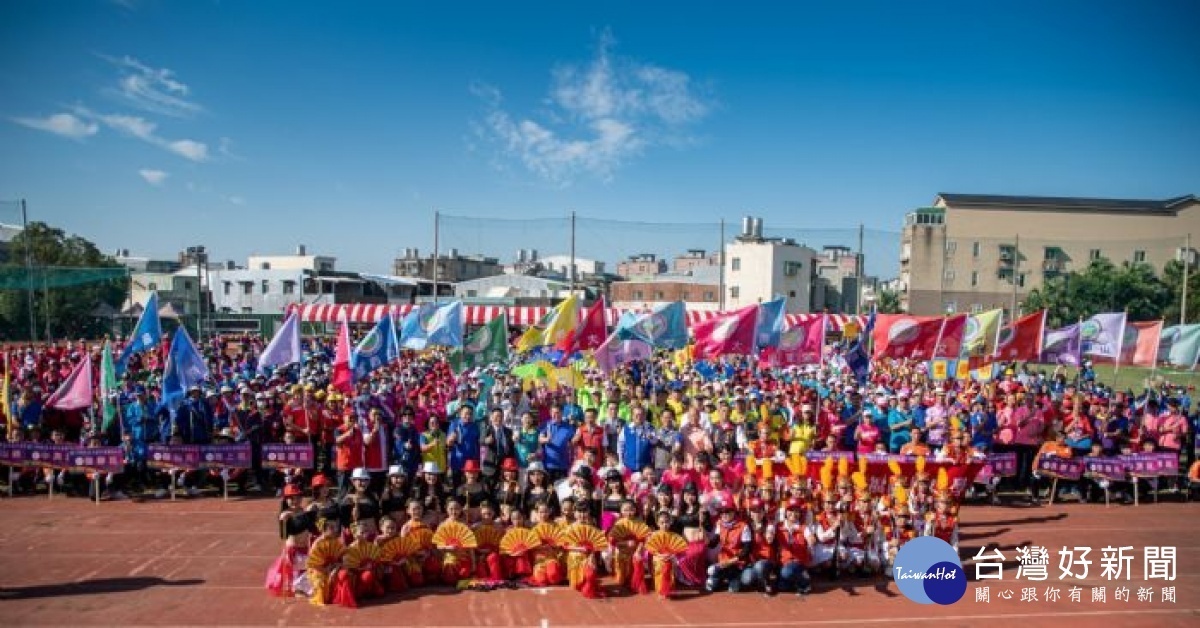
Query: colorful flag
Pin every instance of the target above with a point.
(284, 348)
(553, 327)
(1022, 340)
(431, 324)
(1063, 346)
(615, 352)
(76, 392)
(343, 374)
(983, 329)
(950, 337)
(5, 396)
(1179, 345)
(589, 333)
(185, 368)
(146, 335)
(487, 345)
(903, 336)
(379, 347)
(1140, 346)
(664, 327)
(770, 323)
(732, 333)
(800, 343)
(1103, 335)
(109, 389)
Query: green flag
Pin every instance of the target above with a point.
(487, 345)
(108, 387)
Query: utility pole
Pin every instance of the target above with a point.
(1187, 264)
(28, 270)
(721, 264)
(436, 219)
(572, 269)
(1016, 275)
(859, 268)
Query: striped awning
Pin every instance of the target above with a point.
(520, 316)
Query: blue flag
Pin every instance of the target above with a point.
(665, 327)
(185, 368)
(379, 347)
(431, 324)
(145, 336)
(857, 357)
(770, 323)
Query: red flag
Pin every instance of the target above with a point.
(1022, 340)
(731, 333)
(800, 343)
(76, 392)
(903, 336)
(1140, 347)
(950, 338)
(343, 376)
(589, 333)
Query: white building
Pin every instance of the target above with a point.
(269, 283)
(512, 288)
(759, 269)
(561, 264)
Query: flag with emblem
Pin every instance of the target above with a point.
(431, 324)
(732, 333)
(901, 336)
(1062, 346)
(487, 345)
(146, 335)
(981, 334)
(802, 342)
(1104, 335)
(376, 349)
(770, 323)
(1022, 340)
(553, 327)
(614, 352)
(109, 389)
(185, 368)
(589, 333)
(1179, 345)
(664, 327)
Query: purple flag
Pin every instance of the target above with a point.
(1063, 346)
(615, 352)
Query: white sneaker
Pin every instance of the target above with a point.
(193, 492)
(160, 493)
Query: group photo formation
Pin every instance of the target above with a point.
(554, 315)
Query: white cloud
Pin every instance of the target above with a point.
(236, 200)
(145, 130)
(153, 177)
(190, 149)
(600, 116)
(154, 90)
(64, 124)
(140, 128)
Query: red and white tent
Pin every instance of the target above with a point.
(520, 316)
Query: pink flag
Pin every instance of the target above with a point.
(901, 336)
(343, 378)
(614, 352)
(1140, 347)
(76, 392)
(732, 333)
(800, 343)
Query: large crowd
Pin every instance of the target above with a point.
(660, 472)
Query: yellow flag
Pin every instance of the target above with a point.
(850, 330)
(979, 339)
(940, 368)
(963, 372)
(557, 323)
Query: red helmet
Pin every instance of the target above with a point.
(756, 504)
(795, 504)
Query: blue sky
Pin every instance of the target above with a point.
(254, 126)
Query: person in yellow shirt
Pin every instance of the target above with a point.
(800, 434)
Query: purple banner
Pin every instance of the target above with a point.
(174, 457)
(1114, 469)
(225, 456)
(48, 454)
(819, 457)
(1063, 468)
(1152, 464)
(14, 453)
(103, 459)
(281, 456)
(1003, 465)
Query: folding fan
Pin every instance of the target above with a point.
(325, 553)
(398, 548)
(626, 529)
(664, 543)
(453, 535)
(488, 536)
(582, 537)
(519, 541)
(360, 554)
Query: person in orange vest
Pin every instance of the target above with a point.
(733, 550)
(793, 538)
(761, 567)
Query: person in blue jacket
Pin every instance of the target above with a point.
(555, 440)
(636, 442)
(462, 438)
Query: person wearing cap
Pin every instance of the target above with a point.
(472, 492)
(760, 569)
(194, 419)
(396, 494)
(430, 491)
(900, 425)
(794, 540)
(284, 579)
(734, 539)
(538, 489)
(826, 531)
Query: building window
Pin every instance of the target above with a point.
(266, 286)
(1094, 254)
(976, 308)
(975, 249)
(974, 278)
(685, 295)
(247, 310)
(791, 269)
(658, 295)
(247, 287)
(1139, 257)
(736, 264)
(153, 286)
(951, 247)
(792, 294)
(948, 275)
(950, 307)
(472, 293)
(289, 287)
(709, 296)
(187, 285)
(228, 286)
(1021, 280)
(734, 292)
(637, 295)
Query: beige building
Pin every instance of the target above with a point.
(759, 269)
(973, 252)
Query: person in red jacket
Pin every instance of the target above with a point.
(760, 568)
(733, 550)
(793, 539)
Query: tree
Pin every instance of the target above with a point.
(1173, 278)
(889, 302)
(1102, 287)
(70, 279)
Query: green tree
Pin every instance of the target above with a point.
(1172, 277)
(1102, 287)
(66, 289)
(889, 302)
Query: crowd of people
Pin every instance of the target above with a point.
(658, 472)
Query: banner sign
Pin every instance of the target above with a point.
(281, 456)
(101, 459)
(48, 454)
(1113, 469)
(1062, 468)
(1152, 464)
(225, 456)
(15, 454)
(1003, 465)
(174, 457)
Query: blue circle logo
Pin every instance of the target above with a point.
(928, 571)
